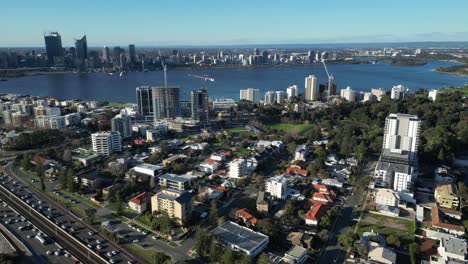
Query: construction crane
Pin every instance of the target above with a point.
(330, 78)
(164, 69)
(205, 79)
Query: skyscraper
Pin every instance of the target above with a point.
(132, 52)
(280, 96)
(144, 96)
(311, 88)
(116, 54)
(256, 51)
(53, 43)
(200, 103)
(81, 47)
(105, 54)
(166, 102)
(331, 89)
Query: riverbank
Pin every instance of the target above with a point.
(459, 70)
(16, 73)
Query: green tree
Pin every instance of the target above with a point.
(202, 243)
(263, 259)
(413, 250)
(215, 251)
(213, 213)
(228, 257)
(393, 240)
(161, 258)
(347, 239)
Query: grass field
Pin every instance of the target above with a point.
(146, 254)
(292, 128)
(119, 104)
(385, 225)
(463, 90)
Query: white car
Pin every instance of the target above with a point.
(114, 252)
(99, 247)
(90, 233)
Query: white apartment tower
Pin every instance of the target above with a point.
(311, 88)
(276, 187)
(237, 168)
(292, 91)
(250, 94)
(270, 98)
(401, 134)
(104, 143)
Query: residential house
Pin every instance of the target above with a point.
(314, 215)
(262, 204)
(139, 203)
(246, 217)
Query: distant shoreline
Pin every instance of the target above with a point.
(11, 74)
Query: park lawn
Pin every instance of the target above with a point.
(386, 225)
(146, 254)
(463, 90)
(292, 128)
(120, 104)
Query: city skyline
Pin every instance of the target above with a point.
(236, 23)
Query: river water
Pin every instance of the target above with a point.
(228, 82)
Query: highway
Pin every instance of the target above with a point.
(85, 245)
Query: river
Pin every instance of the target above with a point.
(228, 82)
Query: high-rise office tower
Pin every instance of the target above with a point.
(292, 91)
(122, 124)
(311, 55)
(116, 54)
(250, 94)
(200, 103)
(132, 52)
(166, 102)
(81, 48)
(53, 43)
(311, 88)
(144, 96)
(256, 51)
(105, 54)
(270, 98)
(265, 56)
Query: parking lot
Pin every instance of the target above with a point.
(93, 241)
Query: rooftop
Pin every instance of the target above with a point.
(296, 251)
(149, 166)
(139, 199)
(177, 178)
(455, 246)
(175, 195)
(243, 237)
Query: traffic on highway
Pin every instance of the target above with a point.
(99, 250)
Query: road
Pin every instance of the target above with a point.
(333, 253)
(177, 254)
(62, 217)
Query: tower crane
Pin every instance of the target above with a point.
(205, 79)
(330, 78)
(164, 69)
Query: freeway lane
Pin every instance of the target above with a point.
(75, 248)
(124, 254)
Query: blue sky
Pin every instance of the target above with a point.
(209, 22)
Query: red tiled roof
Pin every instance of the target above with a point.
(225, 153)
(39, 160)
(221, 188)
(295, 170)
(322, 197)
(322, 188)
(139, 199)
(246, 216)
(316, 212)
(208, 160)
(436, 221)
